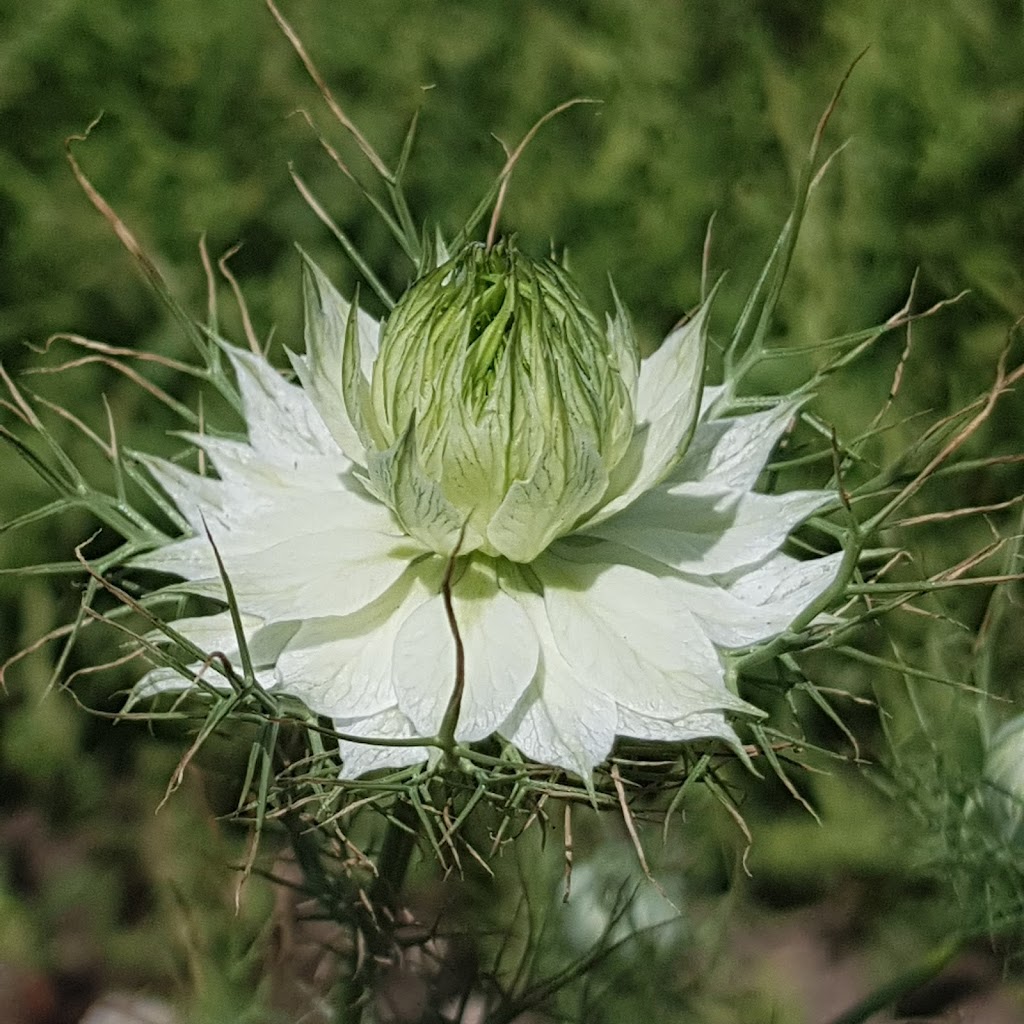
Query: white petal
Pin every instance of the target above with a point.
(668, 401)
(302, 577)
(327, 314)
(167, 679)
(706, 529)
(501, 652)
(198, 498)
(292, 555)
(732, 452)
(786, 584)
(693, 727)
(673, 374)
(342, 666)
(289, 552)
(283, 424)
(216, 634)
(710, 395)
(239, 464)
(561, 720)
(213, 636)
(728, 621)
(633, 637)
(761, 603)
(257, 501)
(359, 758)
(249, 486)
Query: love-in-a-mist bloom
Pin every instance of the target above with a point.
(486, 514)
(1004, 779)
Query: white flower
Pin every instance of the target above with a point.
(1004, 778)
(613, 900)
(599, 529)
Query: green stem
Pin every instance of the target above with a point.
(923, 971)
(395, 854)
(375, 917)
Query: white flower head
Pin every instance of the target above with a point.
(612, 900)
(1004, 778)
(487, 515)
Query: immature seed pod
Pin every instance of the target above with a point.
(495, 383)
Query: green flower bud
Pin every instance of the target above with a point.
(497, 406)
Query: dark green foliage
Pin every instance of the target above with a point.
(706, 109)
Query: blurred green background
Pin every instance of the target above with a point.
(705, 108)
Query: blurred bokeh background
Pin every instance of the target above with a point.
(705, 109)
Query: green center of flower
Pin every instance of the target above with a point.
(518, 401)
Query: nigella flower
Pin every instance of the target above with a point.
(487, 515)
(1004, 779)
